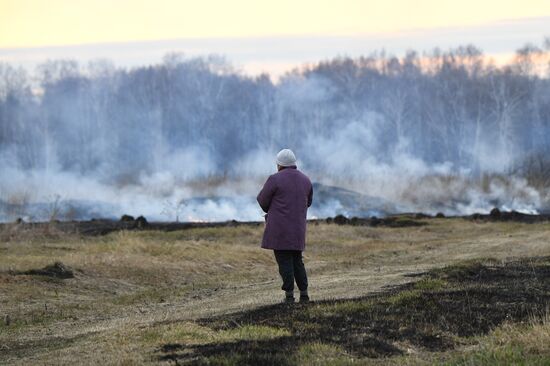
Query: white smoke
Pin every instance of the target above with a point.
(347, 159)
(338, 143)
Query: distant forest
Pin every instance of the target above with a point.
(451, 107)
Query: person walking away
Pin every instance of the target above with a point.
(285, 197)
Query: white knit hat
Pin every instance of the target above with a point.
(286, 157)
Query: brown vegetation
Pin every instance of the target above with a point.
(134, 293)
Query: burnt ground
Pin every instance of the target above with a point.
(55, 270)
(105, 226)
(435, 313)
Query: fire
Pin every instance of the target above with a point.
(195, 219)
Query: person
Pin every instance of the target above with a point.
(285, 197)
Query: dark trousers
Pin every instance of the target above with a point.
(291, 267)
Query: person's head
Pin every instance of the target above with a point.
(285, 158)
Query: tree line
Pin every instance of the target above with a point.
(452, 107)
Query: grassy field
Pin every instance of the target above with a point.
(447, 291)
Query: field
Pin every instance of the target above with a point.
(446, 290)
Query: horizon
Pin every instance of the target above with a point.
(293, 35)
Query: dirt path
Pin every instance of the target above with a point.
(70, 337)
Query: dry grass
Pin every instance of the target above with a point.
(135, 291)
(511, 344)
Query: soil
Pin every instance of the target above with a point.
(469, 300)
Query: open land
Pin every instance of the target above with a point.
(411, 290)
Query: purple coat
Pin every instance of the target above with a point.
(285, 197)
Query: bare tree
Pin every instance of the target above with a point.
(173, 209)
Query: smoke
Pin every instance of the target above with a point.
(185, 141)
(187, 187)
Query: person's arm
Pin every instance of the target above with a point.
(310, 196)
(266, 194)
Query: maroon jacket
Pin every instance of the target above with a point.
(285, 197)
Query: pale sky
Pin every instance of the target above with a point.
(281, 30)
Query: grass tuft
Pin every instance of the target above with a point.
(320, 354)
(430, 284)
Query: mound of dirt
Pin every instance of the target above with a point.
(56, 270)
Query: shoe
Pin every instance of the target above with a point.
(288, 300)
(304, 298)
